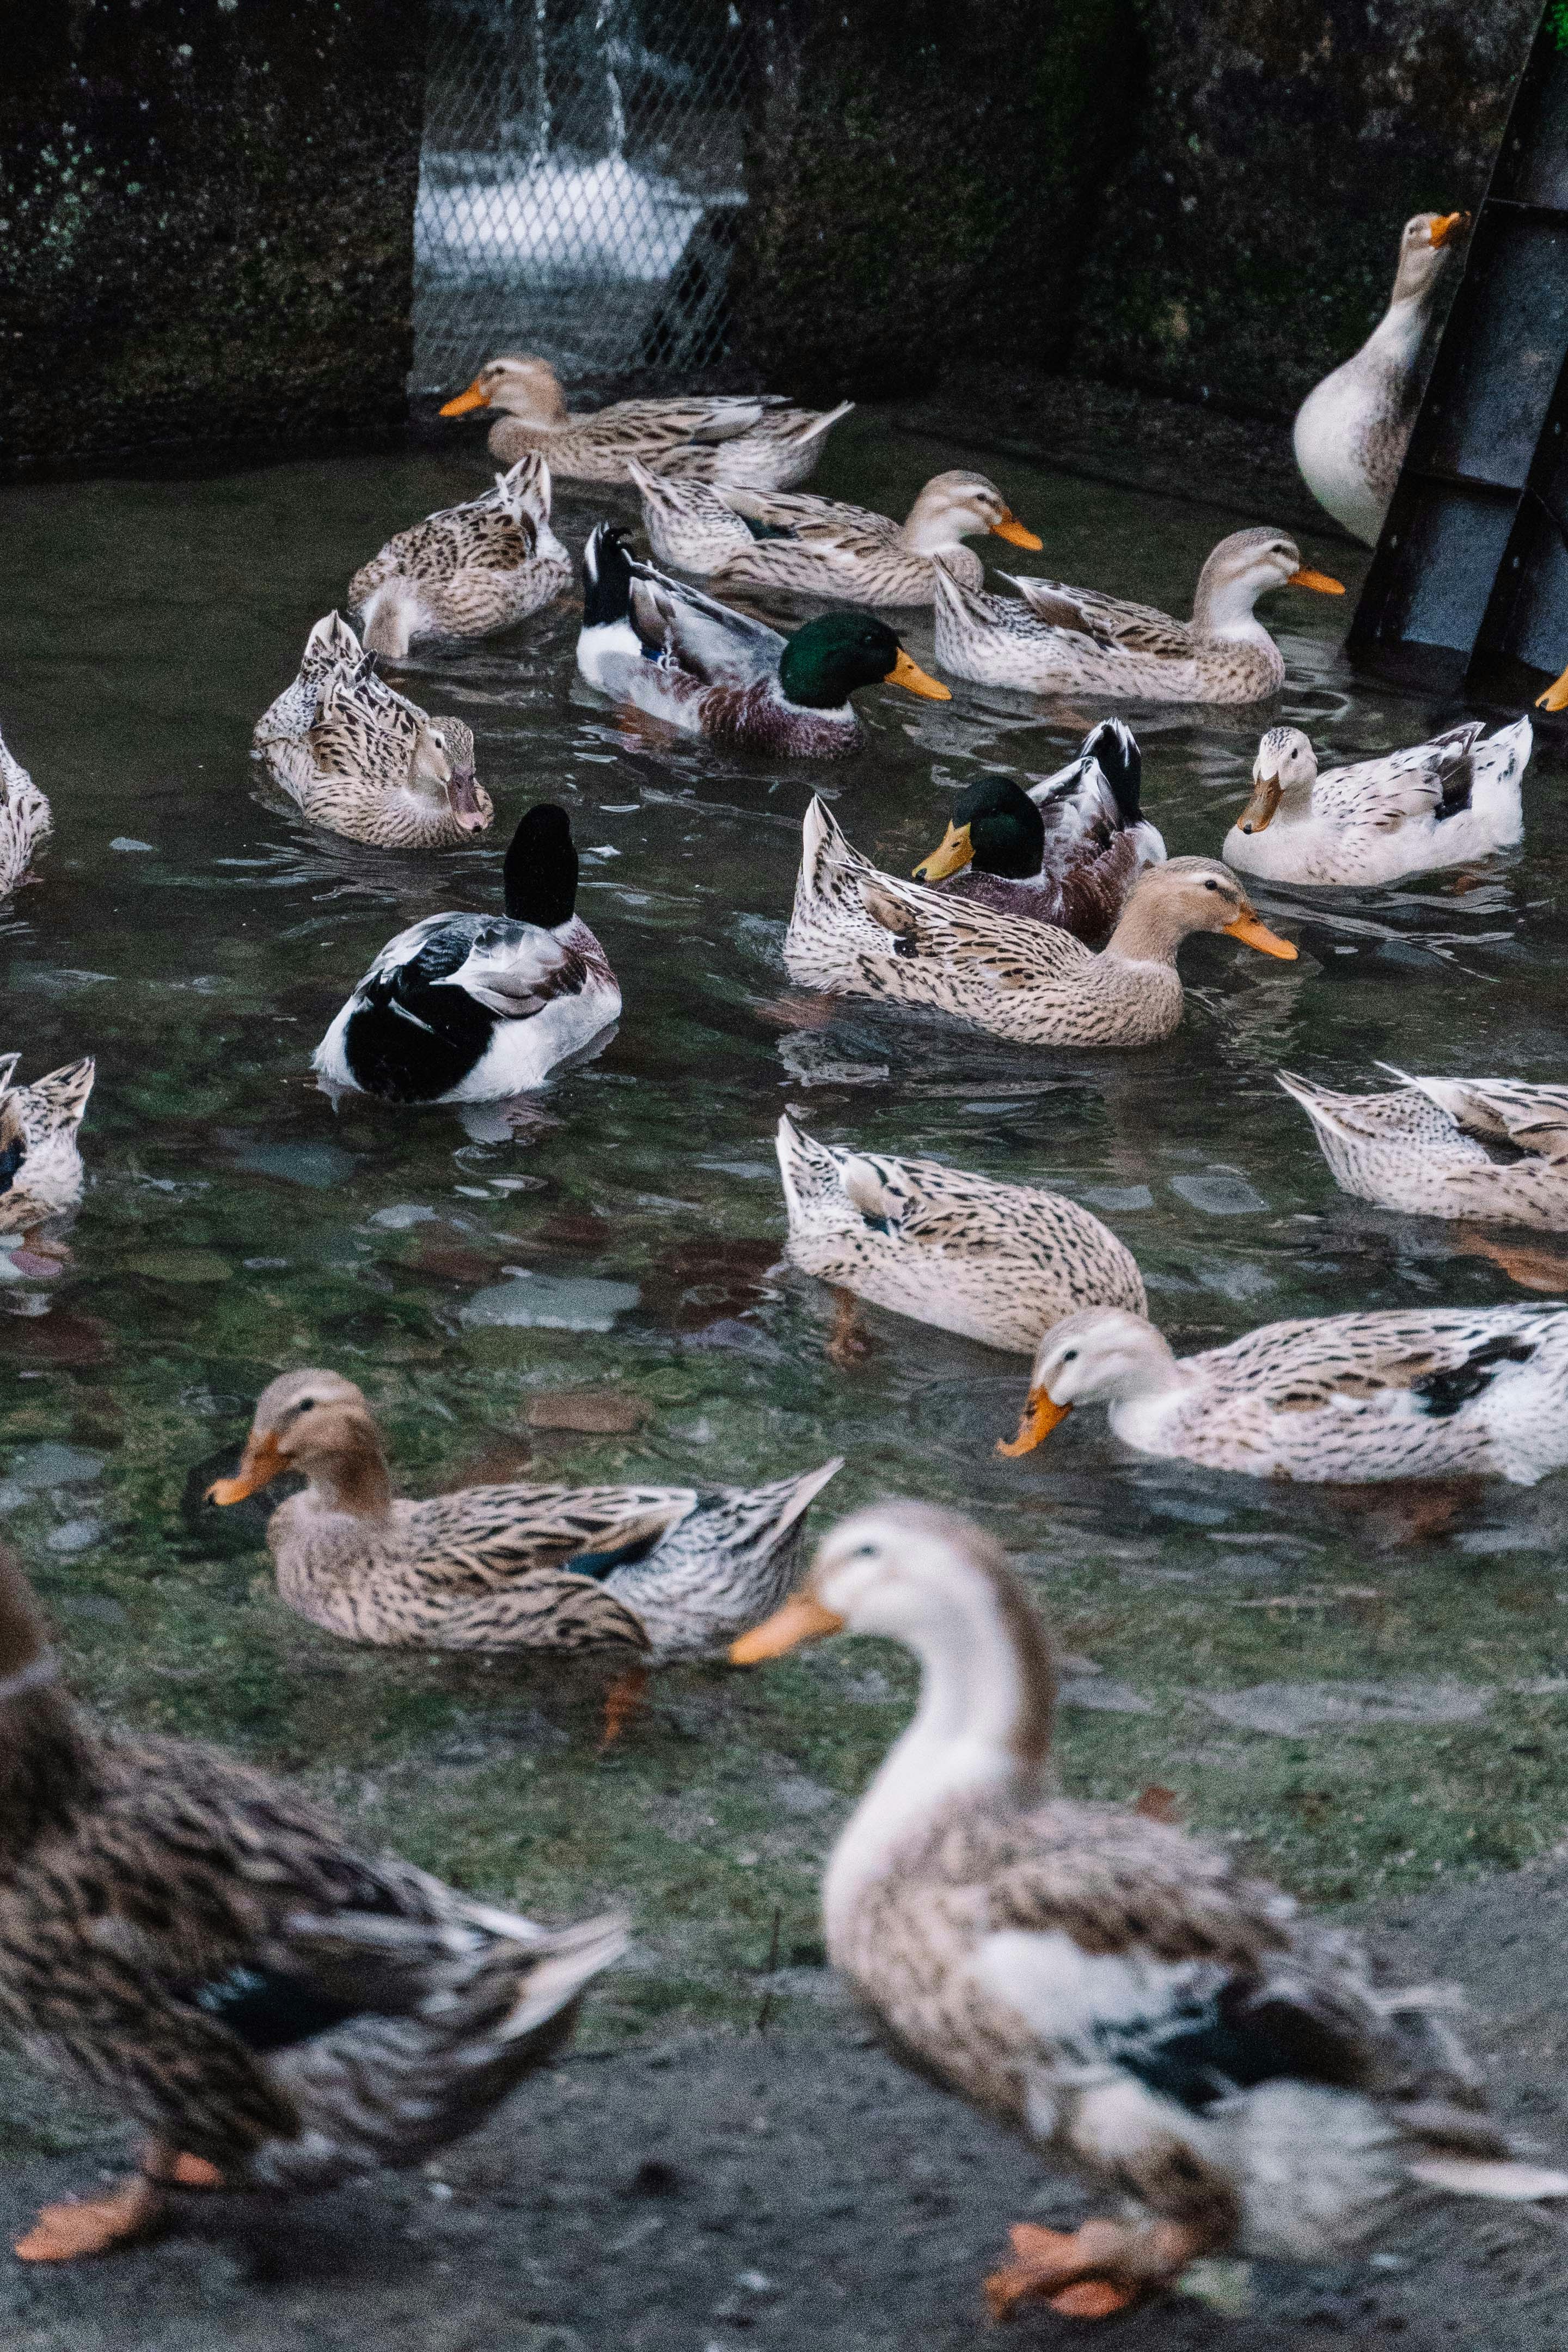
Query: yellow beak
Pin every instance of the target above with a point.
(954, 854)
(801, 1618)
(472, 398)
(910, 674)
(1040, 1416)
(259, 1463)
(1258, 935)
(1449, 226)
(1302, 579)
(1011, 529)
(1555, 696)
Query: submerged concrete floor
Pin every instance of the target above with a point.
(803, 2191)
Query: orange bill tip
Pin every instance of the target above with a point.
(259, 1464)
(1449, 225)
(953, 853)
(1012, 529)
(1325, 586)
(1040, 1416)
(1258, 935)
(1555, 696)
(472, 398)
(910, 676)
(801, 1618)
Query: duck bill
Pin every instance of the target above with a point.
(1318, 579)
(910, 676)
(1257, 934)
(465, 802)
(259, 1463)
(1015, 533)
(1555, 696)
(1259, 813)
(1041, 1414)
(1449, 226)
(801, 1618)
(954, 854)
(472, 398)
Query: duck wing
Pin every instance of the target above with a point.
(1109, 622)
(512, 968)
(707, 640)
(1429, 781)
(488, 1536)
(1433, 1363)
(1504, 1111)
(827, 525)
(1008, 950)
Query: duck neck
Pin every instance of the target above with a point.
(46, 1762)
(355, 1480)
(1150, 932)
(935, 529)
(1223, 613)
(1394, 343)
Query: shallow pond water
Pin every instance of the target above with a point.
(1368, 1687)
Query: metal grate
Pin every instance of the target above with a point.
(579, 185)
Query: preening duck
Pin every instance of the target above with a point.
(195, 1945)
(767, 540)
(365, 761)
(474, 1008)
(1124, 1996)
(681, 656)
(1050, 639)
(1352, 429)
(1068, 850)
(1425, 1146)
(40, 1163)
(854, 931)
(998, 1263)
(26, 821)
(466, 572)
(1416, 1392)
(708, 437)
(645, 1576)
(1440, 804)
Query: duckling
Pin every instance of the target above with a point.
(1067, 852)
(1441, 803)
(364, 762)
(1118, 1992)
(26, 821)
(709, 438)
(1352, 431)
(1412, 1392)
(40, 1165)
(678, 656)
(191, 1941)
(466, 571)
(854, 931)
(1056, 640)
(1424, 1148)
(473, 1008)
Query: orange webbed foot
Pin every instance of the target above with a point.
(1090, 2273)
(93, 2225)
(622, 1701)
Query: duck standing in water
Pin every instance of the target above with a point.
(474, 1008)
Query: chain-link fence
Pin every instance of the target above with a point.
(579, 185)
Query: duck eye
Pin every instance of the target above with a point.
(1071, 1356)
(306, 1404)
(1210, 884)
(864, 1551)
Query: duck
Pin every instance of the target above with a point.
(706, 436)
(27, 822)
(476, 1008)
(767, 538)
(1352, 431)
(188, 1940)
(1051, 639)
(997, 1263)
(854, 931)
(1127, 1998)
(466, 572)
(1405, 1393)
(1413, 812)
(645, 1576)
(363, 761)
(41, 1174)
(1489, 1148)
(678, 656)
(1067, 852)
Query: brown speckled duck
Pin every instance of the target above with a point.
(1121, 1994)
(195, 1945)
(466, 571)
(40, 1163)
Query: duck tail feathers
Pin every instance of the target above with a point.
(1113, 747)
(569, 1959)
(807, 1169)
(1504, 2179)
(606, 578)
(817, 425)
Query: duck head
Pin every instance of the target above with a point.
(442, 770)
(961, 505)
(319, 1424)
(1100, 1354)
(1286, 768)
(1425, 244)
(1170, 902)
(994, 826)
(824, 662)
(1244, 567)
(541, 869)
(522, 386)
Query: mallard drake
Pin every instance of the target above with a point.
(998, 1263)
(1055, 640)
(1412, 1392)
(466, 572)
(1440, 804)
(1423, 1147)
(854, 931)
(642, 1575)
(26, 821)
(678, 656)
(1120, 1993)
(764, 539)
(40, 1165)
(1352, 429)
(473, 1008)
(709, 438)
(197, 1945)
(364, 762)
(1067, 852)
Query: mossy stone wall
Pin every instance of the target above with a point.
(208, 210)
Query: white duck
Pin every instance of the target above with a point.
(1413, 1392)
(26, 821)
(1440, 804)
(1423, 1149)
(1121, 1994)
(1352, 429)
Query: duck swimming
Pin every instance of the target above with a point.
(26, 821)
(41, 1173)
(1489, 1148)
(466, 571)
(476, 1008)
